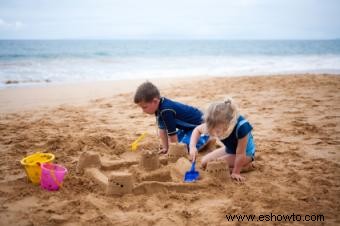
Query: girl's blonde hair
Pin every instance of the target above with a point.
(222, 112)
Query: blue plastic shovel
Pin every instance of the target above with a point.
(191, 175)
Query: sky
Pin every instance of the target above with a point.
(169, 19)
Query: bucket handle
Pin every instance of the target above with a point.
(52, 173)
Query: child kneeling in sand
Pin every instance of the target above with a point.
(175, 120)
(223, 121)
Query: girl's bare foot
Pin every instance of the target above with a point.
(249, 167)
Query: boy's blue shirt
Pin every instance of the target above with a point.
(171, 115)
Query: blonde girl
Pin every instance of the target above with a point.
(223, 120)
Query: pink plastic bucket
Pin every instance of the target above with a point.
(52, 176)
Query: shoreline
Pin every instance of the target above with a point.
(12, 84)
(51, 95)
(26, 98)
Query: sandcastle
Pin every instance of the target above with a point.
(119, 183)
(181, 167)
(148, 175)
(149, 160)
(218, 169)
(177, 151)
(88, 160)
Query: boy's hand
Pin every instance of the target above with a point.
(193, 153)
(162, 150)
(238, 177)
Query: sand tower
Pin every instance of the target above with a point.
(88, 160)
(179, 169)
(218, 169)
(149, 160)
(119, 183)
(177, 151)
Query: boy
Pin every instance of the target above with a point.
(175, 120)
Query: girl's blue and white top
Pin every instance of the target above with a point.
(241, 129)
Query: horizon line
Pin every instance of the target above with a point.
(168, 39)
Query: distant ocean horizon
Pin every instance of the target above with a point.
(31, 62)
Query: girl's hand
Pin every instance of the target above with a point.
(238, 177)
(193, 153)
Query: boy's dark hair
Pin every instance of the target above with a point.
(146, 92)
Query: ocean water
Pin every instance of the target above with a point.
(27, 62)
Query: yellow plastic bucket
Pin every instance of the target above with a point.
(32, 165)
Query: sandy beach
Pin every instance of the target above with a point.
(16, 99)
(296, 124)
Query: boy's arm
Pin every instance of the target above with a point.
(164, 140)
(196, 133)
(240, 158)
(169, 121)
(173, 138)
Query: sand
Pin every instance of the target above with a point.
(296, 123)
(46, 96)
